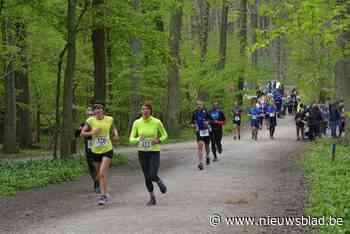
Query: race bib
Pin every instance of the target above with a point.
(272, 114)
(204, 133)
(254, 117)
(145, 144)
(101, 141)
(89, 144)
(237, 118)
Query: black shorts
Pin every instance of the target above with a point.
(238, 123)
(98, 157)
(205, 139)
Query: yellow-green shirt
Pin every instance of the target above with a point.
(101, 143)
(150, 128)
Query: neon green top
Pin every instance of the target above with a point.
(102, 142)
(150, 128)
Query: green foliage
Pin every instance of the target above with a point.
(329, 184)
(23, 175)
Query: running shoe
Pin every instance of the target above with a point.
(162, 187)
(152, 201)
(200, 166)
(220, 150)
(207, 161)
(103, 200)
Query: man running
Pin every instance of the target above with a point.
(216, 121)
(254, 113)
(200, 121)
(237, 120)
(272, 118)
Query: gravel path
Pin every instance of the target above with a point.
(257, 179)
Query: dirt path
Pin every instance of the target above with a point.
(251, 179)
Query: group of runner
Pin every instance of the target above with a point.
(148, 133)
(100, 135)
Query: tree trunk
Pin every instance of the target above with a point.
(243, 44)
(204, 9)
(254, 25)
(173, 112)
(223, 36)
(110, 67)
(135, 73)
(67, 128)
(10, 145)
(22, 82)
(342, 68)
(98, 40)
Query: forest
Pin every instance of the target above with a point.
(59, 56)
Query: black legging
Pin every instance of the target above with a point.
(149, 162)
(272, 125)
(216, 137)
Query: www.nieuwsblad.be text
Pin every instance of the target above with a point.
(217, 219)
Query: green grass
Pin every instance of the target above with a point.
(329, 183)
(23, 175)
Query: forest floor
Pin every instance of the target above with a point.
(256, 179)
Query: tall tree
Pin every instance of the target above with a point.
(242, 50)
(10, 89)
(254, 7)
(204, 10)
(99, 51)
(173, 112)
(135, 72)
(223, 35)
(342, 68)
(22, 82)
(67, 133)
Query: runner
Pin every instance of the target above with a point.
(237, 120)
(254, 113)
(300, 122)
(200, 119)
(99, 127)
(87, 148)
(272, 118)
(149, 132)
(216, 121)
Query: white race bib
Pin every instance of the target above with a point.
(101, 141)
(145, 144)
(237, 118)
(254, 117)
(272, 114)
(89, 144)
(204, 133)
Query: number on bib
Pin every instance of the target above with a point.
(204, 133)
(237, 118)
(101, 141)
(145, 145)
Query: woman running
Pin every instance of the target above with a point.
(99, 127)
(237, 120)
(149, 132)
